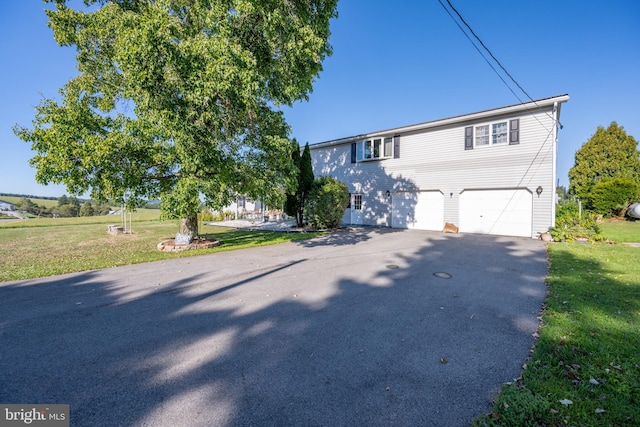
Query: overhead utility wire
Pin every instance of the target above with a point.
(478, 49)
(489, 51)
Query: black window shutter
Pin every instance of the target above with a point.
(396, 147)
(468, 138)
(514, 131)
(353, 152)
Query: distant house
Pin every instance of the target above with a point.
(489, 172)
(6, 206)
(244, 207)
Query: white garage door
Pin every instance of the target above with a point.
(423, 210)
(502, 212)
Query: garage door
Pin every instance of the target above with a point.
(423, 210)
(502, 212)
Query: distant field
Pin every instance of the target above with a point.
(141, 215)
(43, 202)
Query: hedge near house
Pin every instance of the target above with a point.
(327, 201)
(613, 196)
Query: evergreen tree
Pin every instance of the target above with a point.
(295, 203)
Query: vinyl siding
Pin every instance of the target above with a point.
(436, 159)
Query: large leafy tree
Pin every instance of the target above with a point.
(178, 99)
(610, 153)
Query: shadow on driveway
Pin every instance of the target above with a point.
(346, 329)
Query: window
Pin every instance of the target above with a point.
(499, 133)
(357, 202)
(490, 134)
(482, 135)
(374, 149)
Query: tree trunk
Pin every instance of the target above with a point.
(189, 226)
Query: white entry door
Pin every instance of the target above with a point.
(357, 204)
(501, 212)
(422, 210)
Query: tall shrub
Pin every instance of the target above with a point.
(294, 205)
(613, 196)
(326, 203)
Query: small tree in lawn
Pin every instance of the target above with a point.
(610, 153)
(295, 202)
(87, 209)
(327, 201)
(178, 100)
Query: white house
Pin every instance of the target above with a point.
(489, 172)
(6, 206)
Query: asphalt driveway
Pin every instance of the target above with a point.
(351, 328)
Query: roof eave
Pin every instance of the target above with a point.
(527, 106)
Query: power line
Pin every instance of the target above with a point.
(488, 51)
(478, 49)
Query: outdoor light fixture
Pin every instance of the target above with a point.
(539, 190)
(388, 193)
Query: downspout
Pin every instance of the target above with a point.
(556, 123)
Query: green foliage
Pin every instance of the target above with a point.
(295, 203)
(613, 196)
(571, 225)
(327, 201)
(609, 153)
(517, 406)
(207, 215)
(87, 209)
(178, 100)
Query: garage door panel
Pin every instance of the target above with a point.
(500, 212)
(422, 210)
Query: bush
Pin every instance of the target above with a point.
(613, 196)
(327, 201)
(207, 215)
(571, 225)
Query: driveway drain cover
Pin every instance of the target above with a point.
(442, 275)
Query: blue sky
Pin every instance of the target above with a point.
(394, 64)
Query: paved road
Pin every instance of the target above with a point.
(348, 329)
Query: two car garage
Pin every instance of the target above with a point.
(505, 212)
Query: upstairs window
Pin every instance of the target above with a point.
(374, 149)
(491, 134)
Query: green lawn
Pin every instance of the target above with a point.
(622, 231)
(585, 369)
(44, 247)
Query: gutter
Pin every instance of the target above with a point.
(528, 106)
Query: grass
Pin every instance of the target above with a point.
(44, 247)
(588, 350)
(621, 231)
(47, 203)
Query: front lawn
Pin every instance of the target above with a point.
(37, 248)
(585, 368)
